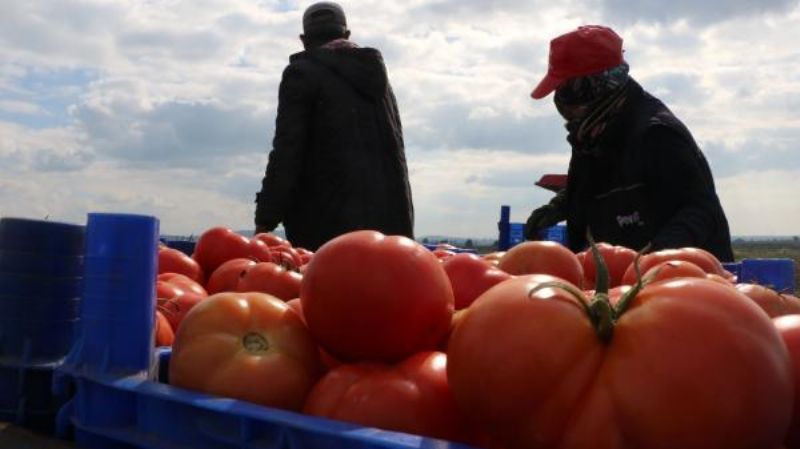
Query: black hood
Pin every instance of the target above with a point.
(362, 68)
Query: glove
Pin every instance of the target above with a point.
(541, 218)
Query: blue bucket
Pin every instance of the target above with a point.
(40, 286)
(41, 236)
(53, 265)
(25, 396)
(38, 309)
(31, 341)
(118, 301)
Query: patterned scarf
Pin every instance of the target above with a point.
(590, 104)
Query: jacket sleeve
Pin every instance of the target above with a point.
(295, 105)
(683, 184)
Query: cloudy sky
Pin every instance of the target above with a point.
(167, 107)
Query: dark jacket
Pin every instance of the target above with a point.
(338, 162)
(648, 183)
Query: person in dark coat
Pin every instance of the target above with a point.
(636, 175)
(338, 161)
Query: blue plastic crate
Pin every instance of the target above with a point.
(132, 412)
(184, 246)
(114, 370)
(511, 234)
(778, 274)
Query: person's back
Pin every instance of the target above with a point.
(338, 161)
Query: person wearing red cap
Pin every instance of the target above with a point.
(636, 175)
(338, 160)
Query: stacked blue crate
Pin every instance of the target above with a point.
(118, 401)
(41, 268)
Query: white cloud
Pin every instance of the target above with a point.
(167, 107)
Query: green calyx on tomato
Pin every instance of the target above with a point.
(602, 314)
(255, 343)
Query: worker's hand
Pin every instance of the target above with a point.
(541, 218)
(264, 228)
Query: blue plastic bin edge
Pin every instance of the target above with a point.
(140, 431)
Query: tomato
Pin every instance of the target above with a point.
(496, 255)
(286, 256)
(266, 277)
(171, 260)
(673, 269)
(789, 328)
(183, 282)
(543, 257)
(443, 254)
(412, 396)
(367, 296)
(220, 244)
(175, 308)
(617, 259)
(226, 277)
(166, 289)
(689, 364)
(718, 278)
(271, 239)
(295, 305)
(305, 255)
(772, 302)
(164, 333)
(697, 256)
(470, 276)
(248, 346)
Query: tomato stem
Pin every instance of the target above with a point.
(601, 285)
(623, 303)
(255, 343)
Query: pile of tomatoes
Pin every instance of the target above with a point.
(536, 347)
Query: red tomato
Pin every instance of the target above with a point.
(220, 244)
(772, 302)
(271, 239)
(470, 276)
(183, 282)
(617, 259)
(367, 296)
(443, 254)
(305, 255)
(720, 279)
(673, 269)
(166, 289)
(697, 256)
(286, 256)
(543, 257)
(789, 328)
(328, 361)
(266, 277)
(171, 260)
(176, 307)
(295, 305)
(649, 378)
(164, 333)
(226, 277)
(248, 346)
(411, 397)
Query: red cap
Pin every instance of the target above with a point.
(587, 50)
